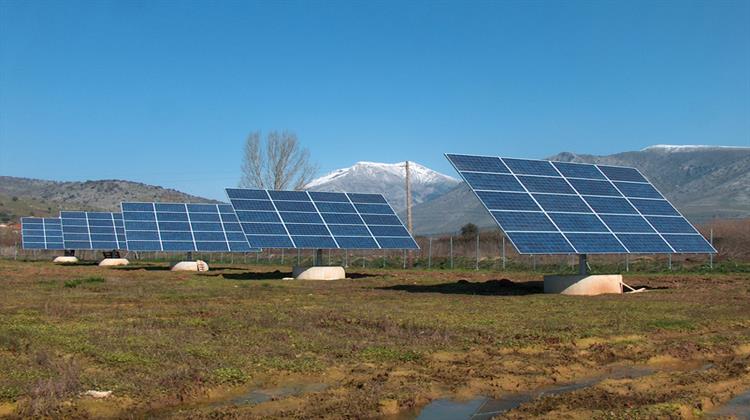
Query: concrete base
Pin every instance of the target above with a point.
(198, 265)
(113, 262)
(583, 285)
(65, 260)
(319, 273)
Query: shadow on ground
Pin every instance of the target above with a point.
(502, 287)
(267, 275)
(272, 275)
(146, 268)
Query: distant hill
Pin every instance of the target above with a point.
(35, 197)
(704, 182)
(387, 179)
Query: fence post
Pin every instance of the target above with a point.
(503, 251)
(670, 262)
(403, 259)
(451, 252)
(627, 262)
(533, 262)
(476, 265)
(429, 255)
(257, 257)
(383, 258)
(711, 254)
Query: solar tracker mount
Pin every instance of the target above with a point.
(549, 207)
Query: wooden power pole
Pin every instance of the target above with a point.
(408, 207)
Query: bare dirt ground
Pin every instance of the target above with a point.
(239, 342)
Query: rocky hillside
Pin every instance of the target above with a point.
(35, 197)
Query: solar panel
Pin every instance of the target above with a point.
(92, 230)
(547, 207)
(318, 220)
(183, 227)
(41, 233)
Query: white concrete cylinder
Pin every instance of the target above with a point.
(583, 285)
(199, 265)
(113, 262)
(319, 273)
(65, 260)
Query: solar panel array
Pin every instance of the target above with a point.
(41, 233)
(547, 207)
(92, 230)
(318, 220)
(183, 227)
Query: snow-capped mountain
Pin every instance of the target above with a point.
(387, 179)
(672, 148)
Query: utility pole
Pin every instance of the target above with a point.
(408, 207)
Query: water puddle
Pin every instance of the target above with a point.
(257, 396)
(483, 408)
(738, 407)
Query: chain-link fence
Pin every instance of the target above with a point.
(485, 251)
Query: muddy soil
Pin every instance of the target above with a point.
(239, 342)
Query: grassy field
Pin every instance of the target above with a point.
(383, 344)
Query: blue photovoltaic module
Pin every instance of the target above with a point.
(93, 230)
(547, 207)
(318, 220)
(41, 233)
(183, 227)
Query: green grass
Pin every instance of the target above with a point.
(156, 336)
(85, 280)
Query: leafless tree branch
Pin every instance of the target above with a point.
(281, 163)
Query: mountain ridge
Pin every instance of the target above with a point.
(21, 197)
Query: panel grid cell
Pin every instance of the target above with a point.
(577, 208)
(319, 220)
(41, 233)
(183, 227)
(98, 230)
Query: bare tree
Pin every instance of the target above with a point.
(277, 162)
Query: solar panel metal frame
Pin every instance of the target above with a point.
(600, 176)
(231, 237)
(85, 226)
(362, 210)
(50, 238)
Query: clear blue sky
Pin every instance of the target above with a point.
(166, 92)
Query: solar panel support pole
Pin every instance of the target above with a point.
(627, 262)
(670, 262)
(318, 257)
(190, 256)
(583, 265)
